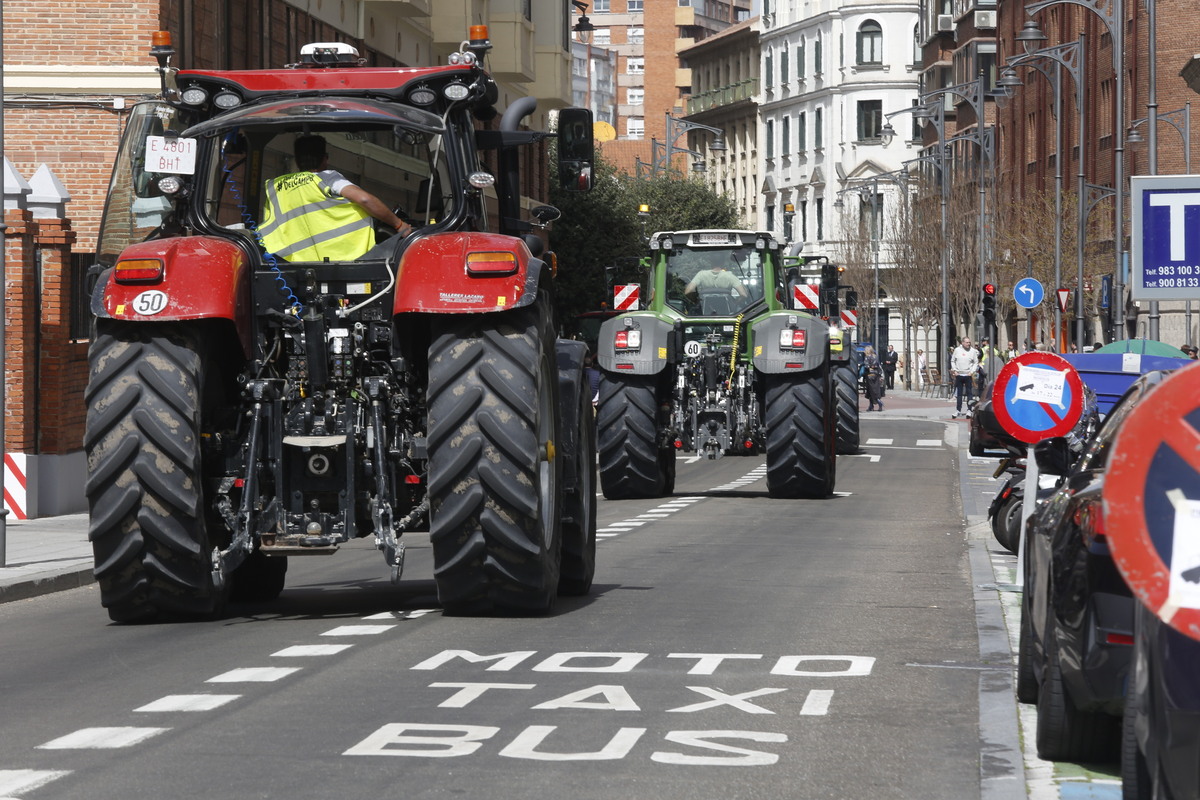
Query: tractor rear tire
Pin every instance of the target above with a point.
(494, 482)
(153, 553)
(846, 389)
(631, 465)
(579, 521)
(801, 458)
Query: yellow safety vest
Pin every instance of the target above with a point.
(305, 220)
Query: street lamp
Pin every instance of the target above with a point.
(1113, 18)
(584, 27)
(1067, 56)
(1184, 129)
(674, 129)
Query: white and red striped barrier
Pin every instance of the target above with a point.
(15, 484)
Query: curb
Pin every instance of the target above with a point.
(46, 583)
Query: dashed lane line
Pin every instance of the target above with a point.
(102, 738)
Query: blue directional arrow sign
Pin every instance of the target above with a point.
(1029, 293)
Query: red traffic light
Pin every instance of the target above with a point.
(989, 289)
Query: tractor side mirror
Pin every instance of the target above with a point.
(576, 149)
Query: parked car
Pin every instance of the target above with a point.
(985, 431)
(1076, 610)
(1160, 748)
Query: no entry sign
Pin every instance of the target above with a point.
(1152, 501)
(1037, 396)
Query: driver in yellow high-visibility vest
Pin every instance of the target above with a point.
(316, 214)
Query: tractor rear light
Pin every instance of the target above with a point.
(792, 339)
(194, 96)
(455, 91)
(226, 99)
(138, 270)
(679, 444)
(628, 339)
(421, 96)
(748, 444)
(1118, 638)
(412, 478)
(491, 264)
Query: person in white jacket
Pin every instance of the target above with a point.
(964, 363)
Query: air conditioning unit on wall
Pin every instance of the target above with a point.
(985, 19)
(945, 22)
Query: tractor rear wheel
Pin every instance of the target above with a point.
(152, 547)
(494, 482)
(631, 465)
(846, 390)
(579, 521)
(801, 457)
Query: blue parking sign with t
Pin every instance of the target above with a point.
(1165, 239)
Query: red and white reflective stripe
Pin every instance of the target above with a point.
(807, 295)
(625, 297)
(14, 484)
(850, 318)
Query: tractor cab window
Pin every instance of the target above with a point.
(136, 206)
(714, 282)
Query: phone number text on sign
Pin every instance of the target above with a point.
(173, 155)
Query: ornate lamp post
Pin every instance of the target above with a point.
(1067, 56)
(1112, 14)
(675, 129)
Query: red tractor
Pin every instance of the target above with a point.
(245, 406)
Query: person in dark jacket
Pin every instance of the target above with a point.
(872, 373)
(890, 360)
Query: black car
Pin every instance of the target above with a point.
(1160, 750)
(1076, 611)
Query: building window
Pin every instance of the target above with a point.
(870, 119)
(634, 5)
(635, 96)
(817, 56)
(785, 138)
(768, 72)
(602, 36)
(635, 66)
(800, 60)
(637, 35)
(870, 43)
(820, 209)
(818, 124)
(770, 142)
(783, 65)
(804, 220)
(600, 6)
(802, 132)
(635, 128)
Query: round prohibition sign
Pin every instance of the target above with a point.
(1037, 396)
(1152, 501)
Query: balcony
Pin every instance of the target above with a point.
(724, 96)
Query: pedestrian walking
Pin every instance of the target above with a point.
(872, 374)
(964, 363)
(922, 369)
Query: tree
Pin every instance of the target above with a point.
(600, 229)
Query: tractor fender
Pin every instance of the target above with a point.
(770, 357)
(650, 358)
(202, 277)
(572, 380)
(466, 272)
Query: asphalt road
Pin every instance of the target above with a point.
(734, 646)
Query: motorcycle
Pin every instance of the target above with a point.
(1005, 510)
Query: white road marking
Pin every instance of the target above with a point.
(817, 703)
(879, 441)
(929, 442)
(358, 630)
(414, 614)
(101, 738)
(253, 675)
(16, 782)
(305, 650)
(189, 702)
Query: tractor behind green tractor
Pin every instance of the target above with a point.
(722, 360)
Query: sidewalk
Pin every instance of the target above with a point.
(44, 555)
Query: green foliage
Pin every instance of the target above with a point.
(601, 228)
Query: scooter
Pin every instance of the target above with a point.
(1005, 511)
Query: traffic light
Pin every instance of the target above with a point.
(989, 303)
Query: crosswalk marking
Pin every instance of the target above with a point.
(358, 630)
(16, 782)
(306, 650)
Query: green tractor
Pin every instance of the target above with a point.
(727, 358)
